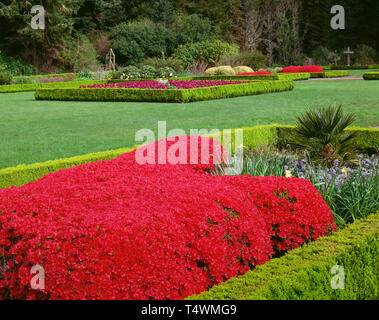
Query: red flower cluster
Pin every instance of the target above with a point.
(255, 73)
(118, 230)
(305, 69)
(151, 84)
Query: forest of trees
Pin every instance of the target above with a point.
(79, 33)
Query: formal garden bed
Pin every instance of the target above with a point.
(248, 221)
(188, 91)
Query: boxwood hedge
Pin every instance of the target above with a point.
(169, 95)
(331, 74)
(306, 273)
(371, 76)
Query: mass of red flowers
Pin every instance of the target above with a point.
(305, 69)
(170, 84)
(262, 72)
(120, 230)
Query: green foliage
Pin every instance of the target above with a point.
(159, 63)
(331, 74)
(365, 55)
(130, 72)
(5, 78)
(136, 41)
(166, 72)
(78, 54)
(284, 76)
(252, 59)
(15, 66)
(179, 96)
(86, 74)
(23, 174)
(193, 28)
(148, 72)
(371, 76)
(321, 133)
(207, 51)
(220, 71)
(305, 273)
(323, 56)
(35, 86)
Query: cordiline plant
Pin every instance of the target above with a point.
(321, 133)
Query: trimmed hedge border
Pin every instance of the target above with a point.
(275, 76)
(305, 273)
(169, 95)
(372, 66)
(371, 76)
(12, 88)
(331, 74)
(23, 174)
(368, 140)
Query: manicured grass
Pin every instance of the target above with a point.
(356, 73)
(34, 131)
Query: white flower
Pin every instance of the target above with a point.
(288, 174)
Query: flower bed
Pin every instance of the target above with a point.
(119, 230)
(110, 92)
(303, 69)
(163, 84)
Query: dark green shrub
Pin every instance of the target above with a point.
(252, 59)
(321, 133)
(166, 72)
(5, 78)
(148, 72)
(364, 55)
(371, 76)
(130, 73)
(206, 51)
(86, 74)
(159, 63)
(136, 41)
(16, 66)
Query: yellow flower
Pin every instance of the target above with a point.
(344, 171)
(288, 174)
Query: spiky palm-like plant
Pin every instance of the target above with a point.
(321, 133)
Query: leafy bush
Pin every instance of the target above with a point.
(166, 72)
(365, 55)
(114, 75)
(131, 72)
(159, 63)
(242, 69)
(253, 59)
(324, 56)
(86, 74)
(16, 66)
(193, 28)
(24, 80)
(322, 135)
(148, 72)
(222, 71)
(371, 76)
(207, 51)
(136, 41)
(78, 54)
(5, 78)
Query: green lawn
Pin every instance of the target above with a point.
(34, 131)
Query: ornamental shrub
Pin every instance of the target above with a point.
(243, 69)
(5, 78)
(121, 230)
(222, 71)
(207, 51)
(130, 72)
(148, 72)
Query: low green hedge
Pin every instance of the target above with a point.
(36, 86)
(275, 76)
(23, 174)
(169, 95)
(53, 75)
(373, 66)
(305, 273)
(371, 76)
(331, 74)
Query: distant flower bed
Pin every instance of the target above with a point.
(255, 73)
(163, 84)
(303, 69)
